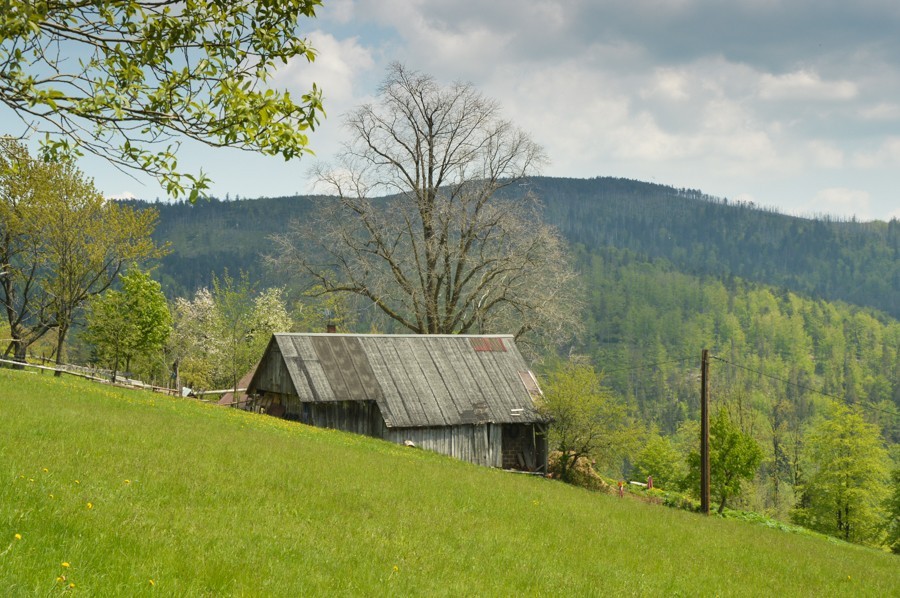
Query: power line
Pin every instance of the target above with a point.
(806, 388)
(648, 365)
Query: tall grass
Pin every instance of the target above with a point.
(127, 493)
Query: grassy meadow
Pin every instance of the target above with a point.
(112, 492)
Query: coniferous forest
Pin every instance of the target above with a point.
(822, 257)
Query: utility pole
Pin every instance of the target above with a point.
(704, 432)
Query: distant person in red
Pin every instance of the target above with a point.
(621, 488)
(649, 482)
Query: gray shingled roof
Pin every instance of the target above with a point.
(416, 380)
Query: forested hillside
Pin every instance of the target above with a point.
(648, 322)
(212, 236)
(825, 258)
(847, 260)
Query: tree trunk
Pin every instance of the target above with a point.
(19, 351)
(60, 349)
(22, 338)
(16, 350)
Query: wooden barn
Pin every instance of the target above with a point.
(470, 397)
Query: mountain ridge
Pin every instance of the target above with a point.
(827, 258)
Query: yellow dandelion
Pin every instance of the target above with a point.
(45, 470)
(396, 568)
(18, 536)
(77, 482)
(60, 579)
(152, 583)
(127, 481)
(72, 585)
(65, 564)
(90, 505)
(51, 496)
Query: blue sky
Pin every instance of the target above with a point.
(793, 104)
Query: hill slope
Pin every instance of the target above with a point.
(850, 261)
(834, 260)
(112, 489)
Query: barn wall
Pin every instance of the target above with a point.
(359, 417)
(508, 446)
(272, 375)
(475, 443)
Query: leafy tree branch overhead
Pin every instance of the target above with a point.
(129, 80)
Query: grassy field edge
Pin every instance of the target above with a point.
(111, 491)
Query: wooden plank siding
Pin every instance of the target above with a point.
(459, 395)
(358, 417)
(272, 373)
(476, 443)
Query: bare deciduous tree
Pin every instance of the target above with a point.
(418, 227)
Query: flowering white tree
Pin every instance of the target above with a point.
(195, 342)
(220, 334)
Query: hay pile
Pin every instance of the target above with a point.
(581, 474)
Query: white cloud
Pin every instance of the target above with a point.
(886, 155)
(841, 202)
(883, 111)
(335, 70)
(121, 195)
(825, 154)
(804, 85)
(453, 53)
(669, 84)
(341, 11)
(592, 120)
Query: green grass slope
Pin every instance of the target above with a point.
(127, 493)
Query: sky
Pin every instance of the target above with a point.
(791, 104)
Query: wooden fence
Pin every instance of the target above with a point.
(90, 374)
